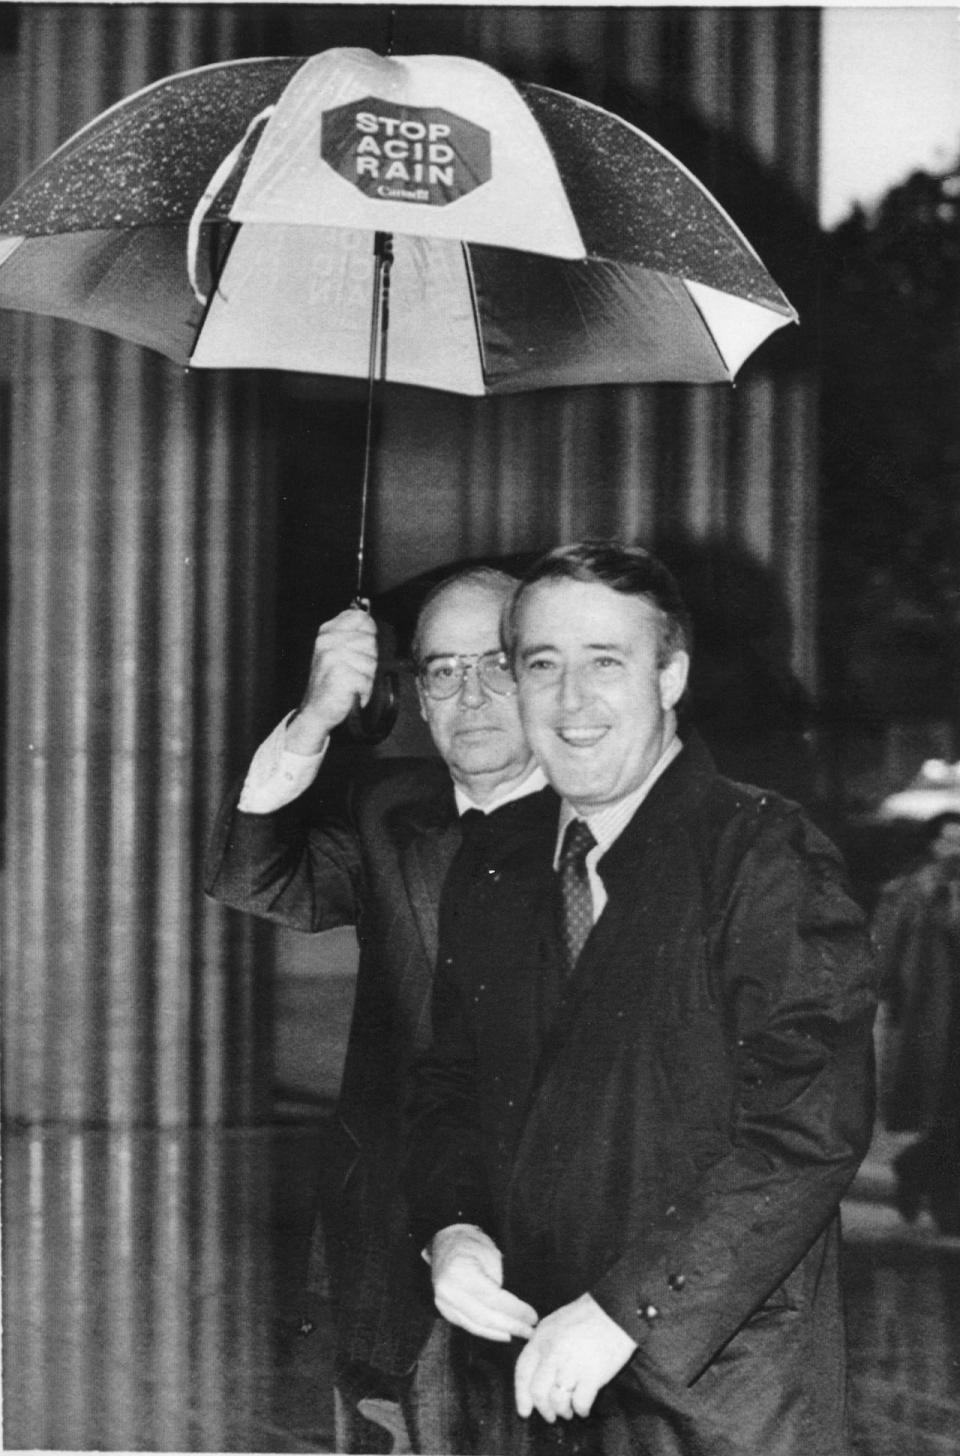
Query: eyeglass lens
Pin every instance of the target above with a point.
(442, 677)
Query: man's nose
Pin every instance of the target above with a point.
(574, 689)
(473, 694)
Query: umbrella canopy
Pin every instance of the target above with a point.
(224, 217)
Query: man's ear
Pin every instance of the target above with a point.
(673, 680)
(421, 699)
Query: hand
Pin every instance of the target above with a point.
(342, 669)
(572, 1354)
(468, 1291)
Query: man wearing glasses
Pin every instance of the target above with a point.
(380, 864)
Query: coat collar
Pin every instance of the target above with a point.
(681, 782)
(430, 835)
(684, 779)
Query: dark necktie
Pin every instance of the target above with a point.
(575, 891)
(473, 823)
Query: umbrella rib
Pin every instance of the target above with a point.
(709, 333)
(475, 307)
(233, 231)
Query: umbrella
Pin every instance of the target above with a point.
(419, 220)
(224, 216)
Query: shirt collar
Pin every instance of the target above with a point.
(608, 824)
(532, 784)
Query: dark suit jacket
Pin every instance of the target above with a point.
(379, 864)
(674, 1129)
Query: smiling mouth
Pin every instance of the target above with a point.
(581, 737)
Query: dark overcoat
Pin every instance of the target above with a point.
(673, 1130)
(378, 862)
(917, 931)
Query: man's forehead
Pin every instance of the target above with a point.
(543, 604)
(463, 609)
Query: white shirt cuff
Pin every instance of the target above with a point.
(276, 776)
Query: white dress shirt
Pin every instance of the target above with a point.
(277, 776)
(608, 824)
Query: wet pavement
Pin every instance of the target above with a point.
(152, 1280)
(152, 1299)
(902, 1286)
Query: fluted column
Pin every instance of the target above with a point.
(734, 94)
(137, 1273)
(142, 533)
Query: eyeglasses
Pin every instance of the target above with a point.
(443, 677)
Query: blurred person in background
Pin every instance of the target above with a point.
(917, 931)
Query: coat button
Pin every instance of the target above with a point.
(676, 1282)
(650, 1313)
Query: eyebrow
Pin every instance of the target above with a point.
(487, 652)
(587, 646)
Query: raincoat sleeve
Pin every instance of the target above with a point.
(299, 866)
(796, 984)
(444, 1175)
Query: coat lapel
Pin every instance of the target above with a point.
(428, 844)
(629, 902)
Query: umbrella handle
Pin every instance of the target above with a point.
(374, 722)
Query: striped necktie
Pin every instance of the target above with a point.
(575, 891)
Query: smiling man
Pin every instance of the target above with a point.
(602, 674)
(645, 1098)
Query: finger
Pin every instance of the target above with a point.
(523, 1315)
(583, 1397)
(359, 667)
(466, 1277)
(480, 1320)
(544, 1391)
(562, 1402)
(523, 1374)
(474, 1319)
(333, 644)
(344, 658)
(356, 618)
(333, 658)
(342, 639)
(485, 1309)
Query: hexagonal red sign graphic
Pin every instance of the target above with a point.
(405, 153)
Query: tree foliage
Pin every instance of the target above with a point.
(890, 517)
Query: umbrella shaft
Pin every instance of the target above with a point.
(379, 327)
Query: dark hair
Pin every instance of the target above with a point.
(628, 569)
(490, 577)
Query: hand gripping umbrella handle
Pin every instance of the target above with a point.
(374, 722)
